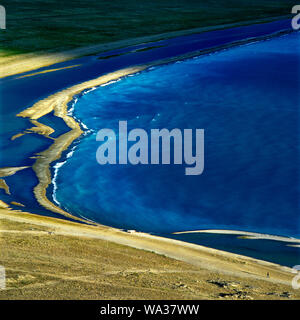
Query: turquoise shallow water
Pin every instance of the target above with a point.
(247, 100)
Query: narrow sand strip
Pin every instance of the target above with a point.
(244, 234)
(22, 63)
(58, 103)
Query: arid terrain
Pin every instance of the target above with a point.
(47, 258)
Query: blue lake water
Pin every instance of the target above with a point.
(269, 250)
(247, 101)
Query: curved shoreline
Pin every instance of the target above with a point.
(244, 235)
(15, 64)
(58, 103)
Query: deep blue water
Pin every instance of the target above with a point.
(247, 101)
(269, 250)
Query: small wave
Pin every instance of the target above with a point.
(110, 82)
(58, 165)
(56, 168)
(89, 90)
(71, 110)
(84, 126)
(85, 218)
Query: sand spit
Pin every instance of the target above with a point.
(6, 172)
(38, 128)
(3, 205)
(4, 186)
(244, 234)
(58, 104)
(46, 71)
(22, 63)
(9, 171)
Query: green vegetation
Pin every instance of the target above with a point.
(58, 25)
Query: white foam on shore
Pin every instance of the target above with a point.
(109, 83)
(87, 219)
(56, 168)
(54, 179)
(58, 165)
(71, 110)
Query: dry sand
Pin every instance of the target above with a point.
(35, 247)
